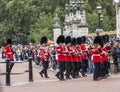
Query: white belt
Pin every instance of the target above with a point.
(10, 53)
(96, 55)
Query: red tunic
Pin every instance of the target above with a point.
(74, 57)
(96, 56)
(8, 53)
(44, 53)
(84, 51)
(60, 50)
(104, 55)
(68, 53)
(79, 54)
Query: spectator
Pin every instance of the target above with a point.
(118, 56)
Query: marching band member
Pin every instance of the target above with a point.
(8, 53)
(68, 56)
(96, 57)
(44, 55)
(84, 56)
(60, 50)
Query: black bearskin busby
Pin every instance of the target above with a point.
(9, 41)
(43, 40)
(73, 41)
(107, 38)
(104, 38)
(98, 40)
(67, 40)
(60, 39)
(79, 40)
(83, 39)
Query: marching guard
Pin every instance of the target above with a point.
(74, 58)
(44, 55)
(9, 53)
(60, 50)
(105, 57)
(79, 56)
(84, 56)
(68, 56)
(96, 57)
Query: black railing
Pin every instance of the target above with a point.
(8, 72)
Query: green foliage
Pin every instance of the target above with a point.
(29, 20)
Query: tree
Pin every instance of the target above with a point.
(28, 20)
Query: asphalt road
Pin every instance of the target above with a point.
(19, 83)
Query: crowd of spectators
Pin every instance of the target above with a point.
(21, 53)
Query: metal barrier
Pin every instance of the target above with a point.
(8, 72)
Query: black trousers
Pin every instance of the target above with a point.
(74, 68)
(60, 74)
(106, 68)
(68, 69)
(45, 67)
(96, 71)
(84, 66)
(79, 66)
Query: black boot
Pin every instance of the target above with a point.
(57, 75)
(41, 74)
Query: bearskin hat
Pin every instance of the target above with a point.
(107, 38)
(43, 40)
(73, 41)
(79, 40)
(60, 39)
(83, 39)
(67, 40)
(9, 41)
(104, 38)
(98, 40)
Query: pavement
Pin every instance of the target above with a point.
(20, 83)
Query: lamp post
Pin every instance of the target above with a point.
(117, 6)
(100, 18)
